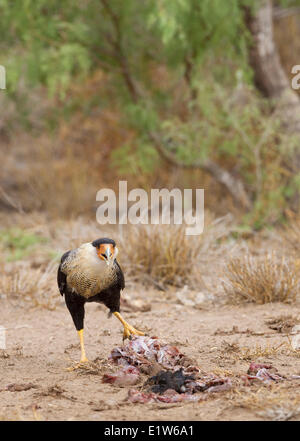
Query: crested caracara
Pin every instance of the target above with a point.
(91, 273)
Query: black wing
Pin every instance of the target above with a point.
(120, 276)
(61, 277)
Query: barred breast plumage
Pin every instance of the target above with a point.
(87, 275)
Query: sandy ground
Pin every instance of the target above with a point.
(42, 344)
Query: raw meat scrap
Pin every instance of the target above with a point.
(143, 351)
(127, 376)
(263, 372)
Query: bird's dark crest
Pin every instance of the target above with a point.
(103, 240)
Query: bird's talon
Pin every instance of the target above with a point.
(76, 366)
(73, 368)
(129, 331)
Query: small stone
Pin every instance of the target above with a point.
(106, 332)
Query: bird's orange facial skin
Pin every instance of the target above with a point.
(102, 249)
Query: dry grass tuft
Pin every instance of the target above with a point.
(164, 255)
(34, 286)
(160, 254)
(255, 352)
(261, 280)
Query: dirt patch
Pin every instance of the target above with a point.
(41, 353)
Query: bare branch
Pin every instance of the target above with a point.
(119, 52)
(233, 185)
(269, 74)
(188, 71)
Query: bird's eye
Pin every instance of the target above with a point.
(104, 255)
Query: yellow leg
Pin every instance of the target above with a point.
(83, 358)
(128, 329)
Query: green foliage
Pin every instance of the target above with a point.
(51, 42)
(142, 117)
(61, 41)
(18, 243)
(135, 161)
(178, 68)
(190, 29)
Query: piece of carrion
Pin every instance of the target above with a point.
(144, 351)
(263, 373)
(127, 376)
(165, 380)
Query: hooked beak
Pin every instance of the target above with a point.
(108, 256)
(107, 253)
